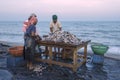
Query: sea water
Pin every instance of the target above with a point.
(106, 32)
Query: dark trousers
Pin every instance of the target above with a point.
(29, 49)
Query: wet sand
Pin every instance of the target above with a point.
(110, 70)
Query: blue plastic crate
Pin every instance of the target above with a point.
(98, 59)
(15, 61)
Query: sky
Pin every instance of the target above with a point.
(68, 10)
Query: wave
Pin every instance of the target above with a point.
(107, 31)
(10, 34)
(112, 50)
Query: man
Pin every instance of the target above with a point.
(30, 43)
(26, 25)
(55, 24)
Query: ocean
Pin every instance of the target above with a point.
(105, 32)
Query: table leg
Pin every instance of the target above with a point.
(59, 52)
(50, 54)
(85, 52)
(55, 51)
(75, 60)
(46, 50)
(63, 53)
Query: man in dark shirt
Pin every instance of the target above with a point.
(31, 29)
(30, 43)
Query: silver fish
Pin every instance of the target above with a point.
(63, 36)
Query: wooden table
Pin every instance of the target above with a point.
(75, 64)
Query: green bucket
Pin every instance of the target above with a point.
(99, 49)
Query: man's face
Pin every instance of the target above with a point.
(54, 21)
(34, 20)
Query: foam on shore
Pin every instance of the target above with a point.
(113, 52)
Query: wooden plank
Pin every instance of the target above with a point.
(83, 44)
(85, 52)
(46, 50)
(50, 55)
(51, 43)
(54, 62)
(42, 60)
(62, 64)
(75, 60)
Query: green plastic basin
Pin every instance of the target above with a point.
(99, 49)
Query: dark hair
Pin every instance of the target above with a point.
(33, 14)
(29, 17)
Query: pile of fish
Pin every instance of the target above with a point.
(38, 69)
(63, 36)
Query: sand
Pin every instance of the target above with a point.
(110, 70)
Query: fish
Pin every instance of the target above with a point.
(63, 36)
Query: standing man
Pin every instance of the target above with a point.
(30, 43)
(26, 24)
(55, 24)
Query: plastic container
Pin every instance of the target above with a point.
(99, 49)
(15, 61)
(16, 51)
(98, 59)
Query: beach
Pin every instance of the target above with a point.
(110, 70)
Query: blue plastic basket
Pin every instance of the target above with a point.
(98, 59)
(15, 61)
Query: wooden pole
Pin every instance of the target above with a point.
(85, 52)
(50, 55)
(75, 60)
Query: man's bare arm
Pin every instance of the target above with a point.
(51, 29)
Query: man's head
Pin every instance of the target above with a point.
(54, 18)
(33, 19)
(32, 15)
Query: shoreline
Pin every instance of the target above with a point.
(107, 55)
(11, 43)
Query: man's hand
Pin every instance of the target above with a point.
(51, 30)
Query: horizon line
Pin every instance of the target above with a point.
(64, 20)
